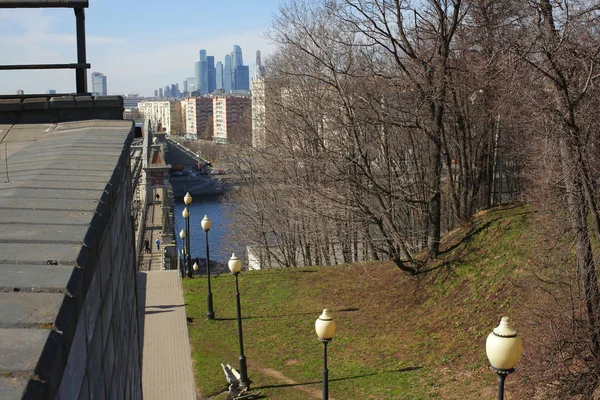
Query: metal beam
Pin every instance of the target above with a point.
(44, 66)
(44, 3)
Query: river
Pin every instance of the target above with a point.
(213, 206)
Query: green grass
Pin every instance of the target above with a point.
(397, 337)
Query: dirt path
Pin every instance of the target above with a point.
(284, 380)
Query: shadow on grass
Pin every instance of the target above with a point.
(317, 313)
(408, 369)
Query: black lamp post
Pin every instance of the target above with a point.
(206, 224)
(325, 327)
(235, 266)
(187, 199)
(183, 244)
(503, 348)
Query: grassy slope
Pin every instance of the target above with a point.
(397, 337)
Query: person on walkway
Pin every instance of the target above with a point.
(158, 244)
(157, 197)
(147, 246)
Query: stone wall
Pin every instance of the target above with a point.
(68, 298)
(24, 110)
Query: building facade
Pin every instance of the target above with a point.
(231, 119)
(163, 113)
(198, 116)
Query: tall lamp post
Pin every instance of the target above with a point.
(235, 266)
(325, 327)
(187, 199)
(210, 314)
(503, 348)
(183, 244)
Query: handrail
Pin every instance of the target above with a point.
(44, 3)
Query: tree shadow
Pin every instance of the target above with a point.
(157, 312)
(316, 313)
(283, 385)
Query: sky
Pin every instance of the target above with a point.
(139, 45)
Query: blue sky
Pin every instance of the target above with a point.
(139, 45)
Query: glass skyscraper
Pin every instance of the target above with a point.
(227, 74)
(203, 72)
(98, 84)
(219, 75)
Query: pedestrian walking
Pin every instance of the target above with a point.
(158, 244)
(157, 197)
(147, 246)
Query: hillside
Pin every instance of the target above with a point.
(398, 337)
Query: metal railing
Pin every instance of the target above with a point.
(81, 65)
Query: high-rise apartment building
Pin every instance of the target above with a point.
(98, 84)
(198, 116)
(231, 119)
(164, 113)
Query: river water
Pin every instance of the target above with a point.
(219, 247)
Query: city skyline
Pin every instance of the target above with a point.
(135, 51)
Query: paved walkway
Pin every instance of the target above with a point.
(167, 362)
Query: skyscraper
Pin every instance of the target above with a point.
(211, 74)
(237, 56)
(191, 85)
(219, 75)
(227, 74)
(203, 72)
(237, 61)
(98, 84)
(197, 76)
(242, 78)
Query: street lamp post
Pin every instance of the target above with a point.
(183, 244)
(325, 327)
(235, 266)
(187, 199)
(503, 348)
(206, 224)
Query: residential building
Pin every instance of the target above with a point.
(163, 113)
(98, 84)
(198, 116)
(231, 119)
